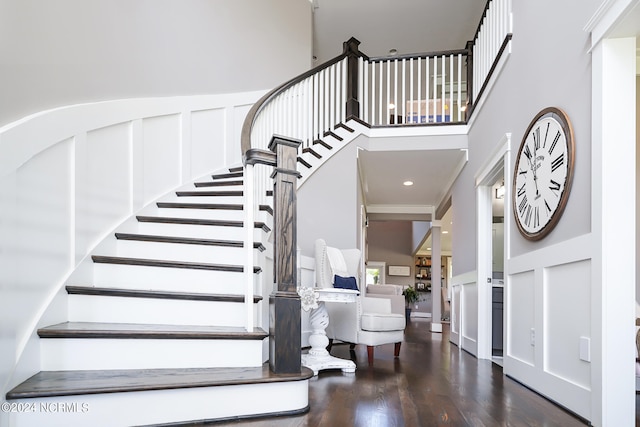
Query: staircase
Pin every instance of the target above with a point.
(158, 336)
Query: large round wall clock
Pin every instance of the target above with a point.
(543, 173)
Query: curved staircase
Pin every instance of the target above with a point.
(158, 337)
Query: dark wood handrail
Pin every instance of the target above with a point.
(419, 55)
(245, 136)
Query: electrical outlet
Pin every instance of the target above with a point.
(532, 337)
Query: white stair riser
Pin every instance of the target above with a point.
(110, 309)
(180, 252)
(167, 279)
(196, 231)
(71, 354)
(164, 406)
(216, 214)
(206, 199)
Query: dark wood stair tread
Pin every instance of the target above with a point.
(238, 174)
(234, 193)
(304, 163)
(197, 221)
(147, 331)
(323, 143)
(217, 183)
(102, 259)
(312, 151)
(210, 206)
(185, 240)
(71, 383)
(345, 127)
(333, 134)
(146, 293)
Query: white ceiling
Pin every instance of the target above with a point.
(410, 26)
(431, 171)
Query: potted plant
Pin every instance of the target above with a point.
(410, 298)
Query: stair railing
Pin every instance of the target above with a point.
(492, 37)
(302, 109)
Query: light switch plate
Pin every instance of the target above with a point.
(585, 349)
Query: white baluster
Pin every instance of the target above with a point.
(411, 107)
(373, 93)
(450, 88)
(361, 88)
(419, 89)
(395, 91)
(343, 97)
(404, 89)
(459, 87)
(380, 93)
(443, 83)
(427, 81)
(387, 121)
(248, 245)
(435, 88)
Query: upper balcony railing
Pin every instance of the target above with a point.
(425, 88)
(428, 89)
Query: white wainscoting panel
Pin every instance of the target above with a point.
(103, 178)
(464, 311)
(550, 291)
(520, 316)
(162, 146)
(207, 141)
(469, 320)
(567, 301)
(455, 314)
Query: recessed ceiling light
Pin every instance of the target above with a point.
(392, 106)
(445, 232)
(393, 51)
(408, 183)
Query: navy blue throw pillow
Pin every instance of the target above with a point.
(345, 282)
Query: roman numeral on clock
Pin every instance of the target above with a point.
(555, 187)
(553, 144)
(523, 204)
(557, 162)
(546, 134)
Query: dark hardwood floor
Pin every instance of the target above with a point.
(432, 383)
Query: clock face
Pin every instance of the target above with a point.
(543, 173)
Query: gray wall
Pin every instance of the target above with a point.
(550, 65)
(390, 242)
(64, 52)
(328, 203)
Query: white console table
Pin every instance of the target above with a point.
(318, 357)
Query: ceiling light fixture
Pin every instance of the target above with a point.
(393, 51)
(408, 183)
(500, 192)
(445, 232)
(392, 106)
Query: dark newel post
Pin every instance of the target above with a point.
(469, 48)
(284, 302)
(350, 48)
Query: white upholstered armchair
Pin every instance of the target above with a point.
(369, 321)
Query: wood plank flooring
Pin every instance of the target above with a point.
(432, 383)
